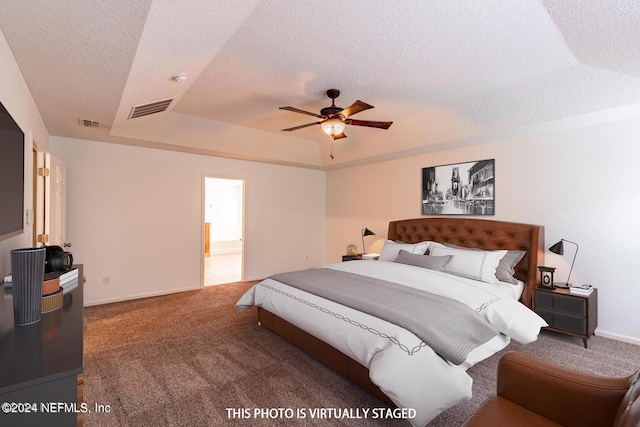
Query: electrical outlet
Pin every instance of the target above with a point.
(106, 280)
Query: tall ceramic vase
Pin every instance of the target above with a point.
(27, 270)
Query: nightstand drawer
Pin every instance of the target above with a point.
(571, 305)
(544, 300)
(563, 303)
(564, 321)
(569, 322)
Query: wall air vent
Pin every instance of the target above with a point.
(151, 108)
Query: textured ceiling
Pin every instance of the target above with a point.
(447, 73)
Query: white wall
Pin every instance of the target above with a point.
(17, 99)
(582, 185)
(135, 214)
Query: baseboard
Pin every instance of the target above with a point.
(225, 251)
(139, 296)
(617, 337)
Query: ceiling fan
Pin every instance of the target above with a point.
(334, 119)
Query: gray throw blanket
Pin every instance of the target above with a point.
(450, 328)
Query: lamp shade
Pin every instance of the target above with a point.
(367, 232)
(332, 126)
(558, 248)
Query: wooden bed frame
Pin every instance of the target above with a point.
(475, 233)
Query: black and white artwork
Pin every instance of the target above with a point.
(459, 189)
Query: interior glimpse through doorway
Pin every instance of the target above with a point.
(223, 230)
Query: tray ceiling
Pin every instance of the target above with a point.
(448, 74)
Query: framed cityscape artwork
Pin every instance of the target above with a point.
(459, 189)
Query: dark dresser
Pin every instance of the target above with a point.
(41, 364)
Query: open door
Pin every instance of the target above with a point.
(58, 203)
(51, 201)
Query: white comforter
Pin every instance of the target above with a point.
(422, 380)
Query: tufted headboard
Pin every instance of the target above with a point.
(481, 234)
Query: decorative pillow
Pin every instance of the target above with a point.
(391, 249)
(478, 265)
(436, 263)
(434, 245)
(506, 267)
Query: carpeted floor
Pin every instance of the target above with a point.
(189, 360)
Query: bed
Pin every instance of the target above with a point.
(395, 362)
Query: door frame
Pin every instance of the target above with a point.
(40, 200)
(36, 195)
(203, 188)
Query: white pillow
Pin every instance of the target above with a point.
(391, 249)
(477, 265)
(435, 245)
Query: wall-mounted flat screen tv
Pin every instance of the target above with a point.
(11, 176)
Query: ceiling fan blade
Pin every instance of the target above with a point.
(339, 136)
(354, 108)
(301, 126)
(297, 110)
(369, 123)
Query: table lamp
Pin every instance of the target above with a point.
(558, 248)
(365, 232)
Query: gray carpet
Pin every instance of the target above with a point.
(189, 360)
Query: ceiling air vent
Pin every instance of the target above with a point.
(152, 108)
(89, 123)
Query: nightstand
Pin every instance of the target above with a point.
(351, 257)
(568, 313)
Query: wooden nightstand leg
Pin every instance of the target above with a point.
(584, 341)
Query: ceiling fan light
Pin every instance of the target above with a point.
(333, 126)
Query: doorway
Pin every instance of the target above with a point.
(223, 230)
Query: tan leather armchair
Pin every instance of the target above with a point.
(532, 392)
